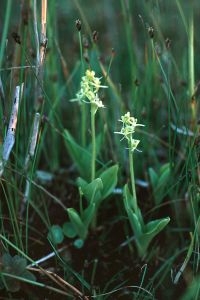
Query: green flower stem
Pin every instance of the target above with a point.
(83, 107)
(131, 165)
(83, 124)
(93, 160)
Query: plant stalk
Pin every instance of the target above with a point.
(131, 166)
(93, 160)
(5, 31)
(83, 107)
(191, 65)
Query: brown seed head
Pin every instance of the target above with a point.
(95, 36)
(168, 43)
(78, 24)
(16, 37)
(151, 32)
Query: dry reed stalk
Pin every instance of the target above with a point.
(41, 51)
(10, 136)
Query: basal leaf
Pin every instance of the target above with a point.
(153, 177)
(92, 190)
(80, 156)
(77, 223)
(88, 214)
(69, 230)
(128, 198)
(55, 234)
(109, 180)
(164, 177)
(154, 227)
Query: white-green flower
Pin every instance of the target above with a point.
(128, 128)
(90, 86)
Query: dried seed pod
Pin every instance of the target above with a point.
(95, 36)
(16, 37)
(78, 24)
(168, 43)
(113, 52)
(151, 32)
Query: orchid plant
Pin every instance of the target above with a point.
(93, 188)
(144, 233)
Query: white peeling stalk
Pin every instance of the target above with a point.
(33, 140)
(30, 155)
(10, 136)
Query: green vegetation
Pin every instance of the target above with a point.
(99, 150)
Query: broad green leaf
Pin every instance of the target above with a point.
(128, 197)
(143, 233)
(163, 179)
(89, 214)
(81, 183)
(56, 234)
(80, 156)
(153, 177)
(109, 180)
(135, 224)
(134, 219)
(159, 181)
(78, 224)
(160, 191)
(164, 168)
(92, 190)
(129, 204)
(98, 143)
(154, 227)
(69, 230)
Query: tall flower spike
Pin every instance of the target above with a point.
(90, 86)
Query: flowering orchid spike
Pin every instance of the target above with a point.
(128, 128)
(88, 93)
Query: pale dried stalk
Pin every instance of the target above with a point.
(30, 155)
(36, 35)
(40, 51)
(2, 95)
(10, 136)
(43, 38)
(59, 281)
(33, 140)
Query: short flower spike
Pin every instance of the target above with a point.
(128, 128)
